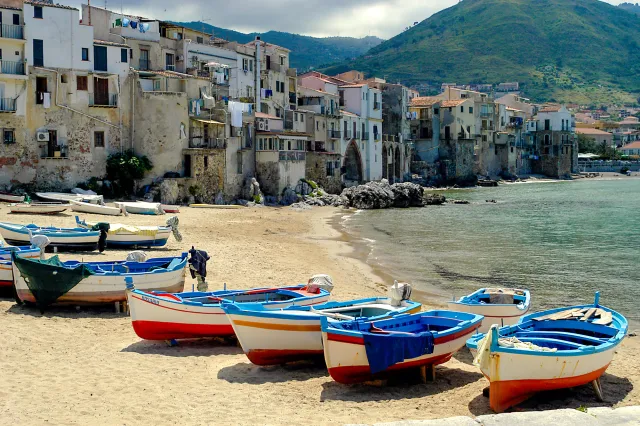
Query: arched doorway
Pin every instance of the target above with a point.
(398, 165)
(353, 163)
(385, 162)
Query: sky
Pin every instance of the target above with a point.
(320, 18)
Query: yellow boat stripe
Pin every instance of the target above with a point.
(285, 327)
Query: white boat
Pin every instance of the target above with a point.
(43, 208)
(555, 349)
(141, 207)
(6, 271)
(66, 197)
(96, 282)
(120, 235)
(11, 198)
(64, 238)
(82, 207)
(501, 306)
(276, 336)
(216, 206)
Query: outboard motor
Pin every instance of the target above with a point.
(319, 281)
(399, 292)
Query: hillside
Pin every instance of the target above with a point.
(306, 52)
(564, 50)
(630, 7)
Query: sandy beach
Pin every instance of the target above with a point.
(89, 367)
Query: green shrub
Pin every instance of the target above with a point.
(125, 168)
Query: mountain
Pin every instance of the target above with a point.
(306, 52)
(584, 51)
(630, 7)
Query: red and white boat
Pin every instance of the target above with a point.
(358, 351)
(165, 316)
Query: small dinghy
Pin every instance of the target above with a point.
(501, 306)
(7, 197)
(555, 349)
(82, 207)
(163, 316)
(168, 208)
(66, 197)
(38, 208)
(62, 238)
(120, 235)
(362, 350)
(276, 336)
(6, 271)
(140, 207)
(45, 282)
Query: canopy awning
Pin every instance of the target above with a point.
(202, 120)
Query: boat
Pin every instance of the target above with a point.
(164, 316)
(216, 206)
(362, 350)
(82, 207)
(277, 336)
(62, 238)
(52, 281)
(66, 197)
(120, 235)
(7, 197)
(140, 207)
(554, 349)
(38, 208)
(502, 306)
(168, 208)
(6, 271)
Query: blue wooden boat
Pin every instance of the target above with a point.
(361, 350)
(502, 306)
(6, 270)
(555, 349)
(276, 336)
(62, 238)
(121, 235)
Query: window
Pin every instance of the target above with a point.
(206, 162)
(317, 125)
(170, 64)
(300, 145)
(245, 64)
(547, 140)
(329, 168)
(271, 143)
(98, 139)
(38, 53)
(41, 89)
(85, 54)
(199, 40)
(16, 19)
(295, 116)
(289, 145)
(436, 111)
(250, 65)
(239, 166)
(100, 58)
(144, 60)
(9, 136)
(302, 118)
(277, 86)
(281, 147)
(470, 110)
(124, 57)
(187, 166)
(512, 150)
(461, 108)
(547, 124)
(63, 78)
(281, 60)
(37, 12)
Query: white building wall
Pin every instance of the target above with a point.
(243, 83)
(114, 61)
(353, 100)
(555, 118)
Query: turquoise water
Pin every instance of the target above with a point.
(562, 240)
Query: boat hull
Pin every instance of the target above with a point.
(98, 289)
(66, 197)
(8, 198)
(6, 269)
(141, 208)
(493, 314)
(277, 337)
(346, 356)
(81, 207)
(162, 317)
(35, 209)
(68, 240)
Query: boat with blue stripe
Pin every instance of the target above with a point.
(554, 349)
(62, 238)
(6, 270)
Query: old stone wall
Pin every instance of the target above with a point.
(316, 170)
(268, 172)
(207, 173)
(240, 166)
(556, 160)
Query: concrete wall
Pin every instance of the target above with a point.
(268, 172)
(290, 172)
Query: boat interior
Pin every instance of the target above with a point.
(129, 267)
(433, 321)
(238, 296)
(502, 296)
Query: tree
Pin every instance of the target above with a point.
(124, 169)
(587, 145)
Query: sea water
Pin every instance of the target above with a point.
(562, 240)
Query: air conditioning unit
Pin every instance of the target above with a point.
(261, 125)
(42, 136)
(266, 125)
(180, 58)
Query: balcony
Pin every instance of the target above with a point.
(292, 72)
(207, 143)
(272, 66)
(348, 135)
(356, 135)
(486, 113)
(144, 65)
(377, 136)
(12, 31)
(292, 98)
(365, 136)
(333, 134)
(376, 105)
(7, 105)
(10, 67)
(170, 67)
(103, 100)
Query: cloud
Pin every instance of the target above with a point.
(355, 18)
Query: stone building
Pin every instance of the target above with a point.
(552, 135)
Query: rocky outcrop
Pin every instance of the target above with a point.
(381, 195)
(407, 195)
(434, 199)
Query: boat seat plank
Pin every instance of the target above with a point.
(561, 334)
(551, 341)
(589, 314)
(568, 325)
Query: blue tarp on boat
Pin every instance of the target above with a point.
(385, 350)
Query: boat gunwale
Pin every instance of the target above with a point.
(525, 305)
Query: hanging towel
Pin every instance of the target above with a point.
(385, 350)
(125, 22)
(134, 24)
(235, 109)
(46, 100)
(197, 108)
(263, 93)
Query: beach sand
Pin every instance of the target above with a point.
(89, 367)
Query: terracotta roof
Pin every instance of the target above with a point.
(43, 3)
(349, 86)
(628, 122)
(263, 115)
(424, 101)
(10, 7)
(590, 131)
(633, 145)
(171, 74)
(349, 114)
(316, 90)
(109, 43)
(453, 103)
(551, 108)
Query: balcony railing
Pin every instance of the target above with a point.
(292, 155)
(207, 143)
(12, 31)
(377, 136)
(103, 100)
(348, 134)
(273, 66)
(365, 136)
(144, 64)
(171, 67)
(356, 135)
(10, 67)
(7, 105)
(292, 98)
(333, 134)
(486, 113)
(376, 105)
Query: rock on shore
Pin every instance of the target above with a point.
(381, 195)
